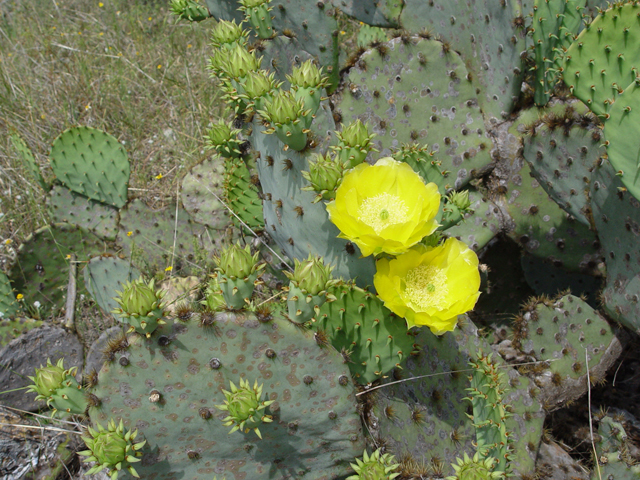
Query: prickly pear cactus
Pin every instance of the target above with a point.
(92, 163)
(168, 386)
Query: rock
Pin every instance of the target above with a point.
(23, 355)
(554, 463)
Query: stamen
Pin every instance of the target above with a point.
(383, 210)
(427, 287)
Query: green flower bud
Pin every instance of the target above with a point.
(112, 448)
(475, 468)
(219, 63)
(307, 75)
(324, 175)
(283, 109)
(355, 134)
(213, 298)
(460, 200)
(237, 262)
(311, 276)
(224, 139)
(244, 407)
(240, 62)
(48, 379)
(138, 298)
(375, 467)
(355, 143)
(260, 83)
(226, 33)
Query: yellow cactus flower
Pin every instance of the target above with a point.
(430, 286)
(385, 207)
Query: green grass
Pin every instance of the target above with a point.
(129, 68)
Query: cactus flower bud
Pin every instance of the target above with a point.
(237, 262)
(240, 62)
(475, 468)
(189, 10)
(284, 108)
(460, 200)
(311, 276)
(140, 306)
(224, 139)
(48, 379)
(355, 143)
(244, 407)
(307, 75)
(138, 298)
(226, 33)
(112, 448)
(375, 467)
(324, 175)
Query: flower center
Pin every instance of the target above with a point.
(426, 286)
(383, 210)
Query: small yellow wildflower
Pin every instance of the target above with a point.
(168, 269)
(189, 45)
(68, 257)
(342, 32)
(129, 233)
(159, 67)
(19, 297)
(101, 4)
(8, 241)
(385, 207)
(430, 286)
(159, 176)
(150, 18)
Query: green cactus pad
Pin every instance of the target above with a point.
(41, 272)
(429, 101)
(189, 10)
(69, 207)
(612, 449)
(92, 163)
(243, 195)
(617, 217)
(372, 12)
(600, 63)
(165, 240)
(487, 36)
(368, 35)
(562, 155)
(172, 382)
(372, 340)
(104, 276)
(621, 130)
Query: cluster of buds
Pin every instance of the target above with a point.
(309, 288)
(260, 87)
(113, 449)
(246, 411)
(140, 306)
(238, 273)
(228, 34)
(59, 388)
(375, 466)
(476, 467)
(354, 144)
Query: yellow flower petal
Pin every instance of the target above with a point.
(385, 207)
(430, 286)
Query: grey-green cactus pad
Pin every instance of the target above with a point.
(41, 272)
(92, 163)
(164, 240)
(617, 217)
(8, 303)
(70, 207)
(487, 37)
(198, 189)
(422, 95)
(315, 431)
(104, 276)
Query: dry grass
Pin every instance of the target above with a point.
(129, 68)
